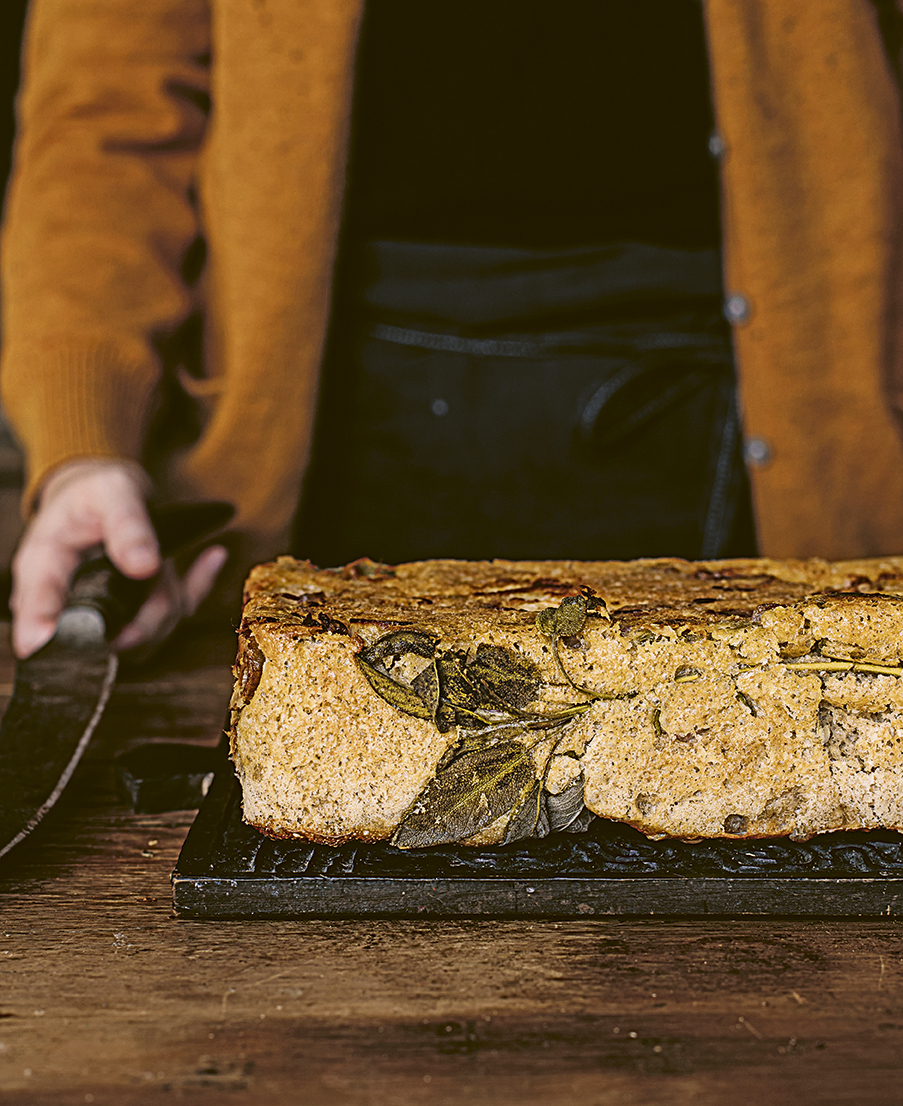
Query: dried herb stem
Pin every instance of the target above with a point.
(819, 666)
(565, 620)
(844, 666)
(556, 648)
(534, 721)
(543, 721)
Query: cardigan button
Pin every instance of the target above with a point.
(717, 145)
(737, 309)
(757, 453)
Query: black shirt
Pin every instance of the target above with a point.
(531, 123)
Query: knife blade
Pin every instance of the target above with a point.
(60, 692)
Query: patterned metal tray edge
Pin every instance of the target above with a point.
(227, 868)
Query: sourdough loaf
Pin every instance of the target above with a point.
(480, 702)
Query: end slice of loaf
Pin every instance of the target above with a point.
(435, 702)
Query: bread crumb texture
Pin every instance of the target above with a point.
(743, 698)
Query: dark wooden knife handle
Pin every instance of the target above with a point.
(99, 585)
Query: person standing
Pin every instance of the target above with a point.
(168, 274)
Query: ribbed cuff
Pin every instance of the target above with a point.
(74, 403)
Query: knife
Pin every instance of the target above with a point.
(60, 691)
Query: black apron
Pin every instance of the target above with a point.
(484, 402)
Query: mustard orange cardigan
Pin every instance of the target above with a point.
(119, 170)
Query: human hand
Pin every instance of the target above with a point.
(83, 504)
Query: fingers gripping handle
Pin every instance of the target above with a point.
(98, 586)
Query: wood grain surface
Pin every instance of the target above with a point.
(105, 998)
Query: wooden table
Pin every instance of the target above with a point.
(105, 998)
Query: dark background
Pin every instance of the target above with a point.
(12, 16)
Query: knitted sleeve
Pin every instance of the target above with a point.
(100, 217)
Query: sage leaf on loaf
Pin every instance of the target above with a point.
(470, 741)
(469, 794)
(564, 621)
(459, 698)
(399, 695)
(457, 690)
(427, 685)
(495, 680)
(488, 772)
(526, 816)
(399, 643)
(421, 701)
(504, 678)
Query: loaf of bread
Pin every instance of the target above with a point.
(483, 702)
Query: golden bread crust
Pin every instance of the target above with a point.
(744, 698)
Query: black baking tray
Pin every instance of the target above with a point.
(229, 870)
